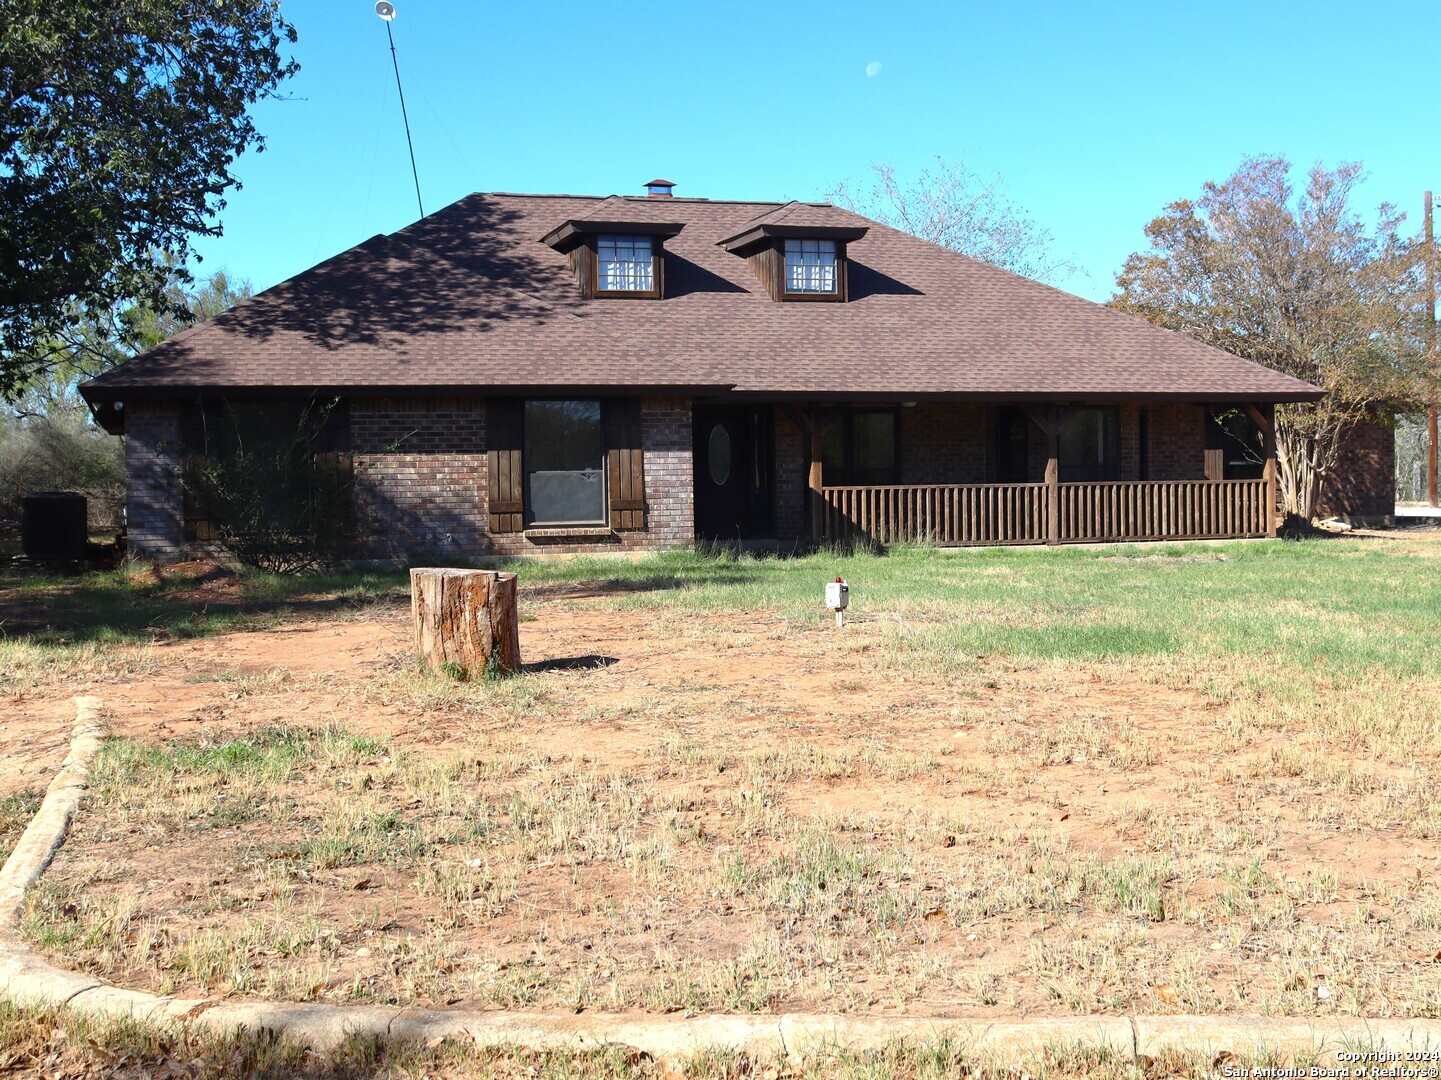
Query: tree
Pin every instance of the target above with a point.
(119, 124)
(99, 340)
(48, 441)
(61, 450)
(958, 209)
(1298, 281)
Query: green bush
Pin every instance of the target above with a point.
(61, 450)
(276, 501)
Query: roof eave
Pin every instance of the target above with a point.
(107, 394)
(756, 233)
(570, 234)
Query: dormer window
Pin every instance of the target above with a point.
(625, 264)
(798, 260)
(619, 257)
(811, 266)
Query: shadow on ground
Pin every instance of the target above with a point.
(175, 603)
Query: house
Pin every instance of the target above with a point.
(522, 374)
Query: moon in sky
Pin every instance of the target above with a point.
(873, 69)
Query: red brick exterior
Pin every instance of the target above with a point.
(1362, 487)
(419, 476)
(422, 482)
(792, 467)
(420, 468)
(421, 487)
(1176, 442)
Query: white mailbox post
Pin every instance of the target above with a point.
(838, 598)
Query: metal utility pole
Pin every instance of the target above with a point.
(386, 11)
(1431, 339)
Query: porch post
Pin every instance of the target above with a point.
(818, 512)
(814, 423)
(1053, 475)
(1265, 420)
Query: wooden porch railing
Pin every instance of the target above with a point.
(948, 515)
(961, 515)
(1163, 510)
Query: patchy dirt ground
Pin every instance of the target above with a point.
(718, 811)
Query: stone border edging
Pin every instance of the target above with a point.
(27, 980)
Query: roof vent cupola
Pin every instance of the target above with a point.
(659, 189)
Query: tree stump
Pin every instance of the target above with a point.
(465, 621)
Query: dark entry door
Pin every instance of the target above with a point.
(733, 472)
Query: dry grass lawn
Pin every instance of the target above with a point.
(1189, 779)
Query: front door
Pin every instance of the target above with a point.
(733, 472)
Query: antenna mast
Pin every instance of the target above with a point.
(386, 11)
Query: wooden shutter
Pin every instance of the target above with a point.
(625, 466)
(503, 440)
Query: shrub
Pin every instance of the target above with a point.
(61, 450)
(276, 501)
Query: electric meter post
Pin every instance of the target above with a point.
(838, 598)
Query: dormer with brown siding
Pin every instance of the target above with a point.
(617, 251)
(798, 251)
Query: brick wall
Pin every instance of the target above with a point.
(1128, 423)
(1177, 443)
(669, 472)
(792, 466)
(1362, 486)
(947, 444)
(154, 502)
(419, 477)
(422, 482)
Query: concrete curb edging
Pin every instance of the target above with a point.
(47, 829)
(27, 980)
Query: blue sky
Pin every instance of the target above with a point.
(1096, 115)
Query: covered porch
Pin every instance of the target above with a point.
(957, 474)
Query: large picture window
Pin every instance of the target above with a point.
(624, 263)
(860, 448)
(564, 463)
(811, 266)
(1090, 447)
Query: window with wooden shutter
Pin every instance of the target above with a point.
(504, 439)
(625, 465)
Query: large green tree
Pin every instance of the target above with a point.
(47, 439)
(1297, 279)
(96, 341)
(120, 121)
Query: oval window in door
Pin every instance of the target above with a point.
(718, 454)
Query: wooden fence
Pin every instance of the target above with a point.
(1162, 510)
(948, 515)
(965, 515)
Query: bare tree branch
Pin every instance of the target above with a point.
(959, 209)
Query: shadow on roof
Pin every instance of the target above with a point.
(683, 277)
(862, 281)
(458, 271)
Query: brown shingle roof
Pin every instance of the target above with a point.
(469, 298)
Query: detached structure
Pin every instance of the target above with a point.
(521, 374)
